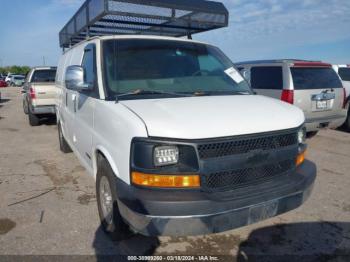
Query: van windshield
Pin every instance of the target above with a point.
(163, 68)
(344, 73)
(315, 78)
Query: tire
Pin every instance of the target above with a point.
(311, 134)
(106, 194)
(64, 146)
(33, 119)
(25, 107)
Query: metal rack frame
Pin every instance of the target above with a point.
(175, 18)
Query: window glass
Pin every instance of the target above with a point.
(315, 78)
(47, 75)
(88, 65)
(167, 66)
(344, 73)
(267, 77)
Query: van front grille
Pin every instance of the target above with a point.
(242, 146)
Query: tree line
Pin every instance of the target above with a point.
(18, 70)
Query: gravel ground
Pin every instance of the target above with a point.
(48, 205)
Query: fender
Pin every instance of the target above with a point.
(109, 158)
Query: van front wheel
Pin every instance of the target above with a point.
(106, 194)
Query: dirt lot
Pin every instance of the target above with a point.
(48, 205)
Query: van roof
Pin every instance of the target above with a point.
(102, 38)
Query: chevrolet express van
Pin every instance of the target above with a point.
(176, 139)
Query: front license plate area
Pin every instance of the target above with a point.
(262, 212)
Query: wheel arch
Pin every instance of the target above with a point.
(102, 152)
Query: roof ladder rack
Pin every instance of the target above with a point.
(176, 18)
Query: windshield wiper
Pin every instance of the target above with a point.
(213, 93)
(149, 92)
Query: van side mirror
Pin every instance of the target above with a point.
(75, 79)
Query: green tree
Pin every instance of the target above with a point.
(19, 70)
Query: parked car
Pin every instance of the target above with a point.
(312, 86)
(178, 143)
(13, 79)
(8, 78)
(39, 94)
(344, 73)
(3, 83)
(17, 80)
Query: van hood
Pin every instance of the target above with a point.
(216, 116)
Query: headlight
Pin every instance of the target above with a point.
(302, 135)
(166, 155)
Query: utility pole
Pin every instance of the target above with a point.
(44, 61)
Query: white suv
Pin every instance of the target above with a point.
(177, 141)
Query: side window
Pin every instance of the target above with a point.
(89, 66)
(267, 77)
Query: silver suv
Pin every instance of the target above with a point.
(312, 86)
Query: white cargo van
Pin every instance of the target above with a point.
(177, 141)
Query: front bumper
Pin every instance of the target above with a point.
(181, 212)
(41, 110)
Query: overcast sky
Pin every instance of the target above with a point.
(259, 29)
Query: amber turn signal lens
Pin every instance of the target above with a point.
(166, 181)
(300, 158)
